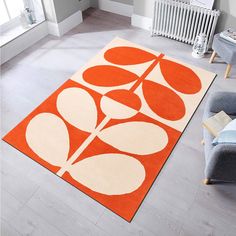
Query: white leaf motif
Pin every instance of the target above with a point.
(47, 136)
(110, 174)
(138, 137)
(78, 108)
(116, 110)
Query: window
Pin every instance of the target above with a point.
(10, 9)
(13, 23)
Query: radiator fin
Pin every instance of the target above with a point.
(183, 22)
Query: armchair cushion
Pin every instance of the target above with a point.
(227, 135)
(220, 159)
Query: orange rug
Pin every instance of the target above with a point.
(110, 128)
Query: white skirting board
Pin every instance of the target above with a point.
(116, 7)
(58, 29)
(141, 21)
(23, 41)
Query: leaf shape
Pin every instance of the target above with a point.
(128, 56)
(163, 101)
(110, 174)
(47, 135)
(78, 108)
(120, 104)
(180, 77)
(125, 97)
(138, 137)
(115, 109)
(104, 75)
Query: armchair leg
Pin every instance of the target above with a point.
(207, 181)
(212, 57)
(228, 69)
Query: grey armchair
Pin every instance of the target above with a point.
(220, 159)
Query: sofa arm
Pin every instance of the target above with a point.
(221, 163)
(222, 101)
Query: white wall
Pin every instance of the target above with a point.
(59, 10)
(66, 8)
(121, 7)
(143, 8)
(228, 14)
(128, 2)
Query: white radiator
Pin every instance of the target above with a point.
(182, 21)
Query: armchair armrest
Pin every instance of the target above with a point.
(221, 163)
(222, 101)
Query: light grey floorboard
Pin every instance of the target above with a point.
(207, 218)
(156, 222)
(62, 216)
(10, 205)
(36, 202)
(116, 226)
(7, 230)
(87, 207)
(16, 183)
(27, 222)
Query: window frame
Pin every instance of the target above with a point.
(7, 10)
(12, 22)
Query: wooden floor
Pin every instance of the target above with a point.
(37, 203)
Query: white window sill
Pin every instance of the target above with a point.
(9, 35)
